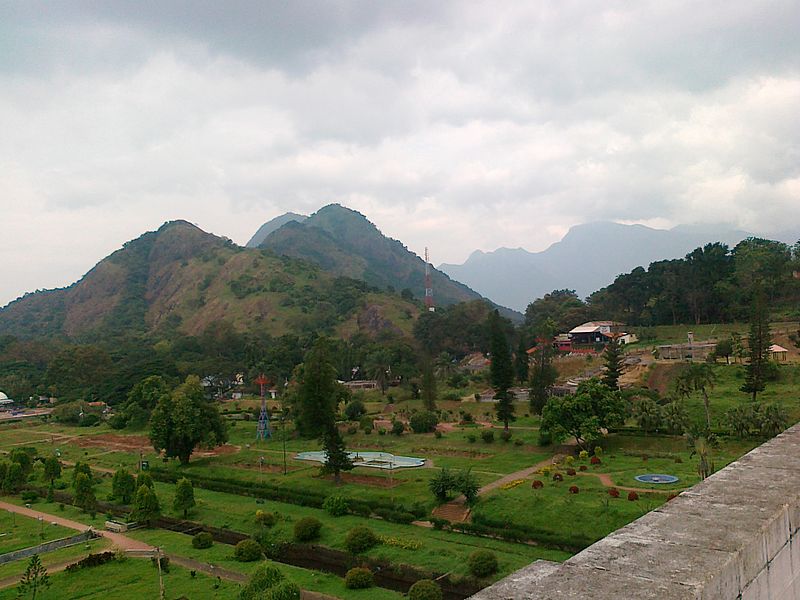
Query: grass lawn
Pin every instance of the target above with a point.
(128, 579)
(18, 531)
(61, 555)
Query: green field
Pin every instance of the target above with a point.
(18, 531)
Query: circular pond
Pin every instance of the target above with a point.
(656, 478)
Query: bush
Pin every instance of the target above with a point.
(613, 492)
(423, 422)
(398, 428)
(598, 450)
(336, 506)
(545, 437)
(286, 590)
(307, 529)
(29, 496)
(425, 589)
(471, 438)
(360, 539)
(202, 540)
(505, 435)
(582, 467)
(632, 496)
(381, 431)
(352, 430)
(265, 577)
(583, 455)
(573, 489)
(482, 563)
(247, 551)
(487, 435)
(365, 422)
(569, 459)
(595, 460)
(537, 484)
(266, 519)
(92, 560)
(437, 434)
(355, 410)
(518, 442)
(359, 578)
(571, 472)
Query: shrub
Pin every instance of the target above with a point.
(537, 484)
(286, 590)
(613, 492)
(202, 540)
(423, 422)
(558, 477)
(381, 431)
(247, 551)
(482, 563)
(360, 539)
(425, 589)
(355, 410)
(598, 451)
(545, 437)
(336, 506)
(307, 529)
(583, 455)
(595, 460)
(505, 435)
(92, 560)
(352, 430)
(487, 435)
(437, 434)
(573, 489)
(359, 578)
(365, 422)
(582, 468)
(471, 438)
(518, 442)
(29, 496)
(569, 459)
(398, 428)
(572, 472)
(266, 519)
(633, 496)
(265, 577)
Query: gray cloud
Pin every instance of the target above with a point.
(453, 125)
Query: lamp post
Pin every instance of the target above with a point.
(41, 527)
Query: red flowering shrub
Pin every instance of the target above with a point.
(537, 484)
(573, 489)
(613, 492)
(633, 496)
(571, 472)
(558, 477)
(582, 467)
(595, 461)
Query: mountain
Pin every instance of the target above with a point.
(182, 279)
(271, 226)
(344, 242)
(589, 257)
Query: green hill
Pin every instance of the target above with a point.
(182, 279)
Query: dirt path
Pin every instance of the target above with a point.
(117, 539)
(522, 474)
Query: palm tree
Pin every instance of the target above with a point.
(698, 377)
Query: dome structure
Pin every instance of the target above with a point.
(3, 396)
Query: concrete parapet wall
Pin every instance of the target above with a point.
(733, 536)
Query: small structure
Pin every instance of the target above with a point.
(5, 401)
(375, 460)
(694, 351)
(361, 384)
(779, 353)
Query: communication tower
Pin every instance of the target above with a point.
(428, 286)
(262, 431)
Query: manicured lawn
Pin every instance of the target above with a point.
(128, 579)
(18, 531)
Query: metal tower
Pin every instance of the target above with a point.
(263, 431)
(428, 286)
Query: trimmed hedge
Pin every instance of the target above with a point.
(358, 578)
(482, 563)
(247, 551)
(425, 589)
(307, 529)
(360, 539)
(202, 540)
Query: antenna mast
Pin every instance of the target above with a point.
(428, 286)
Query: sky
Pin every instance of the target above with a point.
(453, 125)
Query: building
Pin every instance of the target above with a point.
(5, 401)
(597, 332)
(779, 353)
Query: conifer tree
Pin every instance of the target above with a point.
(429, 392)
(501, 372)
(336, 456)
(612, 358)
(184, 497)
(123, 486)
(758, 343)
(521, 362)
(34, 579)
(84, 493)
(318, 392)
(146, 507)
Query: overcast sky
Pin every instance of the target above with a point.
(454, 125)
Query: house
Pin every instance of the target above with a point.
(779, 353)
(599, 332)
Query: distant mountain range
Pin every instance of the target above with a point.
(344, 242)
(271, 226)
(181, 279)
(589, 257)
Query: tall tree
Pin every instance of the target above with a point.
(184, 497)
(429, 392)
(612, 359)
(318, 392)
(521, 362)
(52, 469)
(146, 507)
(84, 493)
(185, 419)
(501, 372)
(123, 486)
(336, 457)
(543, 374)
(697, 377)
(758, 343)
(33, 579)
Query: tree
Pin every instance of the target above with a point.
(52, 469)
(724, 348)
(184, 497)
(145, 479)
(697, 377)
(521, 362)
(758, 343)
(84, 493)
(543, 375)
(15, 478)
(429, 392)
(585, 414)
(81, 468)
(738, 350)
(612, 359)
(318, 392)
(123, 486)
(647, 414)
(146, 507)
(675, 417)
(336, 457)
(501, 371)
(184, 419)
(701, 445)
(23, 457)
(34, 578)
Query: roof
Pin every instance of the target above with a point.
(586, 328)
(3, 396)
(776, 348)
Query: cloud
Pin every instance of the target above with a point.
(456, 126)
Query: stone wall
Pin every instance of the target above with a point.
(46, 547)
(732, 536)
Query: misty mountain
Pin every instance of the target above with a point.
(589, 257)
(270, 226)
